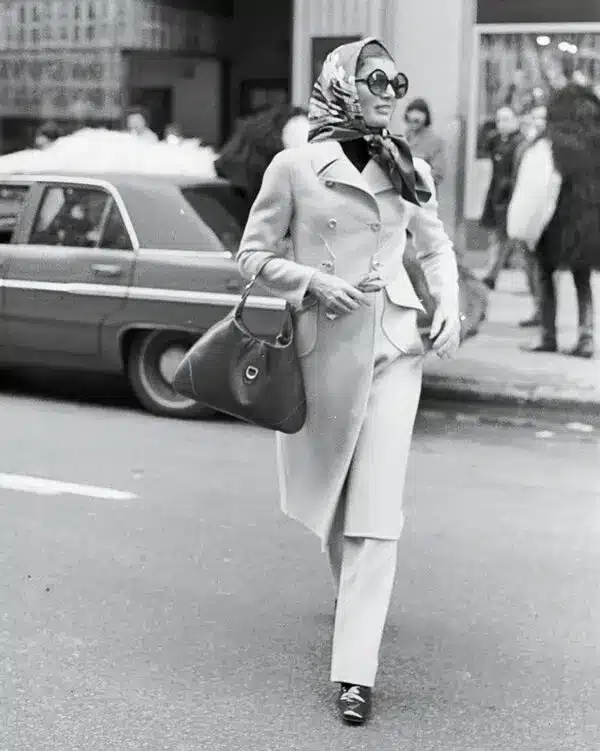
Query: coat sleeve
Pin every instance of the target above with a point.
(434, 249)
(438, 161)
(264, 236)
(535, 195)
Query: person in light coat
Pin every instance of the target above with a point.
(347, 199)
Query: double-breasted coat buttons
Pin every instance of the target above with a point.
(332, 223)
(375, 226)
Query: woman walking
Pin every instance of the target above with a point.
(347, 198)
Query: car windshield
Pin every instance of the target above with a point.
(222, 209)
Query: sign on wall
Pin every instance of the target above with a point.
(70, 84)
(322, 46)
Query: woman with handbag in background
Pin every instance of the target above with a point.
(347, 199)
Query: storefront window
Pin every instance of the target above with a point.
(519, 67)
(520, 70)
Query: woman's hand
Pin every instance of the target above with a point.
(338, 297)
(445, 331)
(372, 282)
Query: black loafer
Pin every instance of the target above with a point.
(544, 347)
(583, 349)
(530, 323)
(354, 703)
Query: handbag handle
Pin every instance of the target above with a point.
(247, 289)
(287, 327)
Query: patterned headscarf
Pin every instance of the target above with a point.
(335, 113)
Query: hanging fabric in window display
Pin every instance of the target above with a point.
(518, 68)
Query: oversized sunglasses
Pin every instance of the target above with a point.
(378, 83)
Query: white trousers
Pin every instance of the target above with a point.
(363, 571)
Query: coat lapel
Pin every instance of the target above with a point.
(376, 178)
(330, 163)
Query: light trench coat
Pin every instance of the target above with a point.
(535, 195)
(346, 223)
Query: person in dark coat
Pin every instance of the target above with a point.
(501, 147)
(253, 145)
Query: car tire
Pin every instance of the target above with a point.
(152, 359)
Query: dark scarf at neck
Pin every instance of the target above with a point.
(391, 153)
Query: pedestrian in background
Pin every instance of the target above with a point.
(348, 198)
(423, 141)
(136, 123)
(47, 134)
(424, 144)
(255, 142)
(501, 147)
(556, 209)
(173, 134)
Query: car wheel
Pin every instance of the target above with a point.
(153, 359)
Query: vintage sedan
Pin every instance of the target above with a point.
(119, 273)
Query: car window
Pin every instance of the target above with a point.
(212, 211)
(70, 216)
(114, 234)
(12, 202)
(80, 217)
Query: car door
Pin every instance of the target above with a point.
(13, 198)
(69, 270)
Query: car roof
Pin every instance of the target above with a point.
(116, 178)
(160, 215)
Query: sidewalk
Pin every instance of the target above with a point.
(491, 367)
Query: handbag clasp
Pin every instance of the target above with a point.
(251, 372)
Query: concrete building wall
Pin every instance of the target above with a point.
(324, 18)
(259, 47)
(196, 89)
(431, 42)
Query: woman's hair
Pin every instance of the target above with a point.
(255, 141)
(573, 126)
(420, 105)
(371, 51)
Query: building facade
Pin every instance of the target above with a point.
(203, 63)
(199, 63)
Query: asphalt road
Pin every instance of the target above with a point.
(160, 601)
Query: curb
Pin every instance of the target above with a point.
(519, 395)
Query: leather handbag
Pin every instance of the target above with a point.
(233, 371)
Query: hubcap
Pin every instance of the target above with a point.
(169, 362)
(160, 356)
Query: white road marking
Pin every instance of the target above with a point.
(45, 486)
